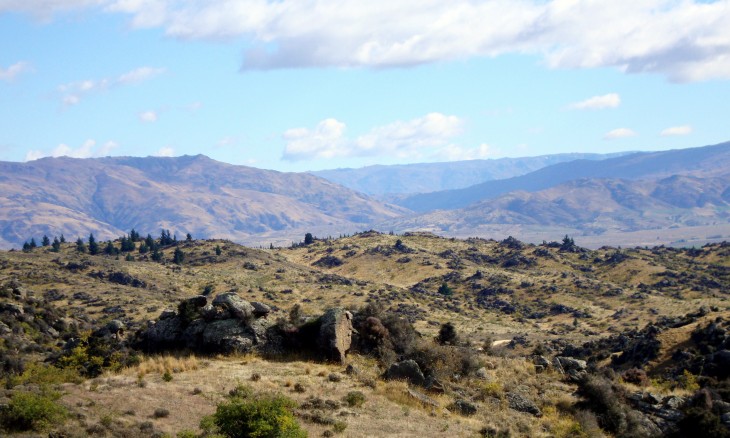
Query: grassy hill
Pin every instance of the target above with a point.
(506, 300)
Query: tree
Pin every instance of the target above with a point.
(308, 239)
(218, 250)
(63, 239)
(93, 246)
(445, 290)
(32, 243)
(178, 257)
(46, 241)
(27, 247)
(447, 334)
(56, 245)
(568, 244)
(134, 235)
(109, 249)
(156, 254)
(189, 237)
(149, 241)
(143, 248)
(80, 245)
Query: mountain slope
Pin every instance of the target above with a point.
(109, 196)
(431, 177)
(596, 205)
(703, 161)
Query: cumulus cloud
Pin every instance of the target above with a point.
(619, 133)
(457, 153)
(676, 130)
(13, 71)
(611, 100)
(87, 150)
(148, 116)
(684, 40)
(166, 151)
(401, 139)
(72, 93)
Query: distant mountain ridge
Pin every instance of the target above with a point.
(195, 194)
(702, 161)
(432, 177)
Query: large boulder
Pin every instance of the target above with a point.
(165, 333)
(406, 370)
(335, 333)
(238, 307)
(520, 403)
(260, 310)
(227, 336)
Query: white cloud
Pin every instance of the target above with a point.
(44, 9)
(676, 130)
(72, 93)
(401, 139)
(611, 100)
(148, 116)
(13, 71)
(166, 151)
(619, 133)
(457, 153)
(684, 40)
(86, 150)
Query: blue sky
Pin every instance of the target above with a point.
(298, 85)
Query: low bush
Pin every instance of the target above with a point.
(355, 399)
(263, 417)
(31, 411)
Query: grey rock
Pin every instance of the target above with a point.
(541, 361)
(406, 370)
(335, 333)
(12, 308)
(164, 332)
(520, 403)
(260, 310)
(652, 399)
(557, 366)
(569, 363)
(227, 336)
(213, 313)
(463, 407)
(193, 334)
(673, 401)
(721, 406)
(434, 385)
(4, 329)
(259, 329)
(668, 414)
(722, 359)
(423, 398)
(482, 373)
(238, 307)
(167, 314)
(725, 419)
(539, 369)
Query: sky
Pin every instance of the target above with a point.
(296, 85)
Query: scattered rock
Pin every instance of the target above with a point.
(482, 373)
(260, 310)
(423, 398)
(463, 407)
(406, 370)
(520, 403)
(238, 307)
(335, 333)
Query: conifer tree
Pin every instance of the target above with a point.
(109, 249)
(179, 256)
(46, 241)
(56, 245)
(80, 245)
(32, 243)
(63, 239)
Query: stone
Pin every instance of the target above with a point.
(164, 333)
(238, 307)
(227, 336)
(541, 361)
(352, 370)
(463, 407)
(335, 333)
(520, 403)
(260, 310)
(423, 398)
(673, 402)
(434, 385)
(4, 329)
(557, 366)
(167, 314)
(652, 399)
(406, 370)
(725, 419)
(12, 308)
(482, 373)
(539, 369)
(569, 364)
(212, 313)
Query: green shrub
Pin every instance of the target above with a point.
(355, 399)
(259, 418)
(167, 376)
(31, 411)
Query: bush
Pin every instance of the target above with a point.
(447, 334)
(355, 399)
(259, 418)
(161, 413)
(31, 411)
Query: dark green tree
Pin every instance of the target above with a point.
(149, 241)
(178, 257)
(308, 239)
(134, 235)
(80, 245)
(157, 254)
(93, 245)
(189, 237)
(46, 241)
(27, 247)
(109, 249)
(445, 290)
(63, 239)
(218, 250)
(56, 245)
(143, 248)
(32, 243)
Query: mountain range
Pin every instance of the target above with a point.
(195, 194)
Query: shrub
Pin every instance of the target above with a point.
(447, 334)
(339, 426)
(161, 413)
(167, 376)
(636, 376)
(355, 399)
(258, 418)
(31, 411)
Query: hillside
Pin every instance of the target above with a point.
(702, 162)
(593, 207)
(505, 299)
(185, 194)
(433, 177)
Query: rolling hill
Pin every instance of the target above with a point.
(189, 194)
(432, 177)
(702, 162)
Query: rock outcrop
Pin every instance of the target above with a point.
(335, 333)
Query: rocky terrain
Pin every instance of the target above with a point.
(367, 335)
